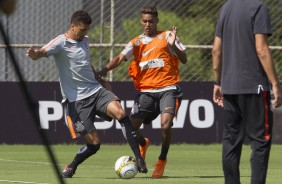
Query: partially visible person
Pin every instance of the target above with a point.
(83, 94)
(244, 75)
(155, 73)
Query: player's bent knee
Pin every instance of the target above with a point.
(166, 126)
(116, 111)
(120, 114)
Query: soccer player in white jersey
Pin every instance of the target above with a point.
(85, 97)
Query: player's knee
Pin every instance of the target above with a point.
(116, 111)
(166, 125)
(120, 115)
(93, 148)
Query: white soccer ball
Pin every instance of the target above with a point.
(126, 167)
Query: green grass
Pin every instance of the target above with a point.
(187, 164)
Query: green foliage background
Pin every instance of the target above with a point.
(196, 24)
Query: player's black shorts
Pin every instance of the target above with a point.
(147, 106)
(80, 115)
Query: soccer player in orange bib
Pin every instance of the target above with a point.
(155, 73)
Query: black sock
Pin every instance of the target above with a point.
(163, 154)
(83, 153)
(130, 134)
(142, 141)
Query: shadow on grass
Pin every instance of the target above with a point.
(170, 177)
(167, 177)
(217, 176)
(208, 176)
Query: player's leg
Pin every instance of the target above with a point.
(166, 123)
(144, 143)
(233, 135)
(259, 118)
(90, 148)
(143, 111)
(80, 122)
(169, 105)
(115, 110)
(137, 124)
(109, 106)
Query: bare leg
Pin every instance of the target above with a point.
(166, 123)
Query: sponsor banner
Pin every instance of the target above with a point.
(198, 120)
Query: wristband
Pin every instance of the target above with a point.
(106, 68)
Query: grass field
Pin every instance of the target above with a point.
(187, 164)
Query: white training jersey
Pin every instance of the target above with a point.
(77, 78)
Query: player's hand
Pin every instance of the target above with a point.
(102, 73)
(277, 96)
(106, 84)
(172, 36)
(217, 95)
(31, 52)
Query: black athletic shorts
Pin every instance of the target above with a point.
(80, 115)
(147, 106)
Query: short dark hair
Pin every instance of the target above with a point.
(150, 10)
(81, 16)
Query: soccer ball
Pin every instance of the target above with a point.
(126, 167)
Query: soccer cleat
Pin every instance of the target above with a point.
(143, 149)
(68, 172)
(159, 169)
(141, 165)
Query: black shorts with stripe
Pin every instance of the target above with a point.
(80, 115)
(147, 106)
(248, 114)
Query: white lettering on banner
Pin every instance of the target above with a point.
(178, 122)
(102, 125)
(194, 113)
(45, 117)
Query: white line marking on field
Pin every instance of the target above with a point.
(45, 163)
(29, 162)
(27, 182)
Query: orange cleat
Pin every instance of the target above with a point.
(143, 149)
(159, 169)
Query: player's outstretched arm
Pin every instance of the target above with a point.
(35, 54)
(103, 82)
(115, 62)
